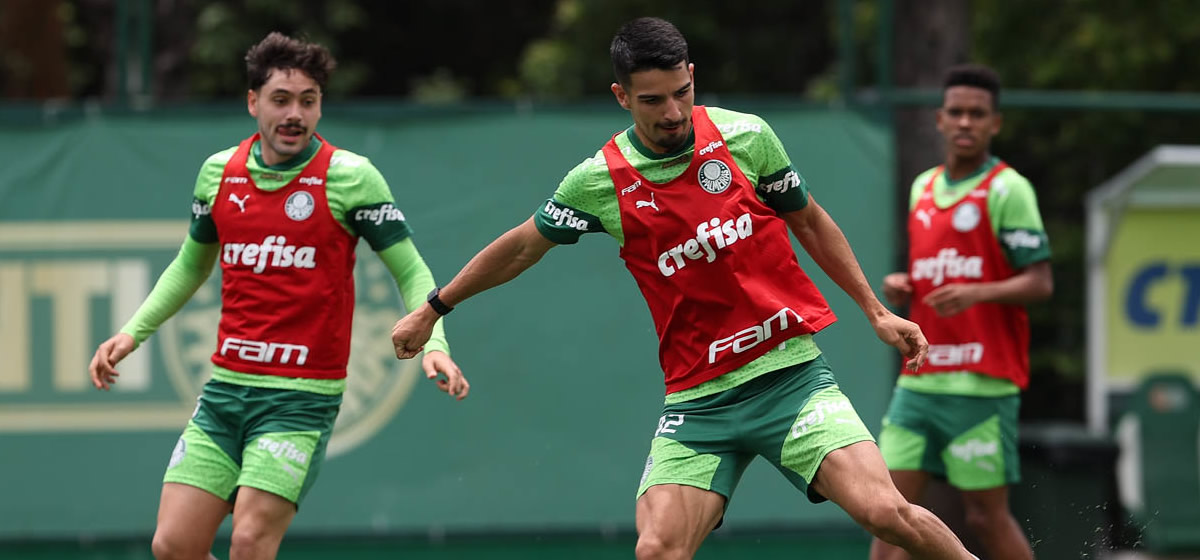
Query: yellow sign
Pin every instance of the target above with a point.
(1153, 295)
(65, 286)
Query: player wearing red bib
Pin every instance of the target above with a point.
(282, 212)
(977, 254)
(700, 199)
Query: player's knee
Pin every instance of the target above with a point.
(245, 540)
(168, 547)
(893, 521)
(982, 520)
(651, 547)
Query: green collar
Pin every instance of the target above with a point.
(988, 164)
(651, 154)
(304, 155)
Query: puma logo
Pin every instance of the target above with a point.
(241, 203)
(650, 203)
(925, 216)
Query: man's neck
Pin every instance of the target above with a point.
(656, 152)
(279, 162)
(960, 167)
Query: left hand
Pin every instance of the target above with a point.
(452, 381)
(905, 336)
(952, 299)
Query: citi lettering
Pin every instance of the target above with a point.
(711, 147)
(565, 216)
(789, 181)
(271, 252)
(237, 180)
(817, 416)
(282, 449)
(955, 354)
(753, 335)
(377, 216)
(710, 233)
(265, 352)
(947, 264)
(312, 181)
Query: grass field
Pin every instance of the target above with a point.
(838, 545)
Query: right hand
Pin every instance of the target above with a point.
(107, 355)
(897, 288)
(412, 331)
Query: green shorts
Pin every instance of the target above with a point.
(969, 441)
(792, 417)
(270, 439)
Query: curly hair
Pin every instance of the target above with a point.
(280, 52)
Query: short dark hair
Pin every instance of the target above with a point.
(974, 75)
(280, 52)
(646, 43)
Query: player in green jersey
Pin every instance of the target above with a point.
(958, 420)
(257, 439)
(784, 405)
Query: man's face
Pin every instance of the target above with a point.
(661, 104)
(287, 108)
(968, 121)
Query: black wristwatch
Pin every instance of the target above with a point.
(437, 304)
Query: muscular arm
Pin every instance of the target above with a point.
(174, 288)
(826, 244)
(502, 260)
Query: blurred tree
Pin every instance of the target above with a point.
(1081, 45)
(33, 57)
(778, 47)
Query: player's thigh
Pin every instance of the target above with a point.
(856, 479)
(286, 439)
(803, 419)
(696, 443)
(188, 519)
(677, 517)
(208, 453)
(982, 453)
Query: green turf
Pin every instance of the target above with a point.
(842, 546)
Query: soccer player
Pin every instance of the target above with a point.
(700, 201)
(977, 254)
(282, 211)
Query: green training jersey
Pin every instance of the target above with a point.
(1013, 211)
(586, 202)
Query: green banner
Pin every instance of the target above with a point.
(566, 393)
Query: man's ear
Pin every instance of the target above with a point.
(621, 95)
(252, 102)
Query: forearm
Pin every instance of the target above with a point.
(1030, 285)
(502, 260)
(824, 241)
(415, 281)
(174, 288)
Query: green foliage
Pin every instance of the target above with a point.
(1083, 45)
(777, 47)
